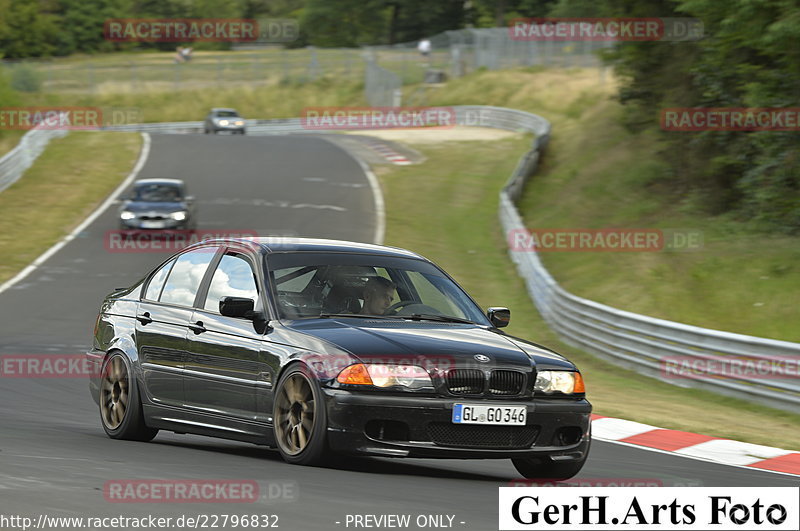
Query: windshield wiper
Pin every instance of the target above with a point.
(361, 316)
(412, 317)
(432, 317)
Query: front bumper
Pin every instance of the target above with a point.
(218, 127)
(399, 426)
(161, 224)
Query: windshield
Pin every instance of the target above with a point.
(312, 285)
(157, 193)
(227, 114)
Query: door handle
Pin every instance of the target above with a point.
(144, 318)
(197, 327)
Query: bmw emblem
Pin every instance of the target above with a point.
(481, 358)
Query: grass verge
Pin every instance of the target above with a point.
(281, 100)
(65, 184)
(9, 140)
(596, 174)
(465, 239)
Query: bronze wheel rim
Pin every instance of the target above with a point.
(114, 392)
(294, 414)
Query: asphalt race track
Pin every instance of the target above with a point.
(55, 457)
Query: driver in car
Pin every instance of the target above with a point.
(378, 296)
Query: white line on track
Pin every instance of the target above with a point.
(377, 196)
(143, 154)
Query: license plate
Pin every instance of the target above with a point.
(152, 224)
(484, 414)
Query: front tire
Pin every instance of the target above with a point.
(120, 407)
(300, 421)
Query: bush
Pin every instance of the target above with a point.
(25, 78)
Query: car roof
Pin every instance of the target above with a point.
(282, 244)
(217, 109)
(175, 182)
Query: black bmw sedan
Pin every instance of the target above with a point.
(317, 346)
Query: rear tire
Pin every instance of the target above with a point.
(120, 407)
(300, 421)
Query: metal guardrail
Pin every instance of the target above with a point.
(279, 126)
(644, 344)
(641, 343)
(14, 163)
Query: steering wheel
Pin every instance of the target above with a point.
(422, 308)
(399, 304)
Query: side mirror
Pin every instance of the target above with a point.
(236, 307)
(499, 316)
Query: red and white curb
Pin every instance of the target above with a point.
(387, 153)
(723, 451)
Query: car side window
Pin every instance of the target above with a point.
(157, 282)
(186, 275)
(233, 278)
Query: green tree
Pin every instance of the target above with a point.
(24, 31)
(345, 22)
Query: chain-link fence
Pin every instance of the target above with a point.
(457, 53)
(159, 71)
(384, 69)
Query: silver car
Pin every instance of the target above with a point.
(224, 120)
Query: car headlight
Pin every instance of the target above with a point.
(223, 122)
(178, 216)
(567, 382)
(385, 375)
(239, 122)
(126, 214)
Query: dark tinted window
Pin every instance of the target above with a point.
(157, 192)
(307, 285)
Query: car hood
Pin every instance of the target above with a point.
(154, 206)
(429, 344)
